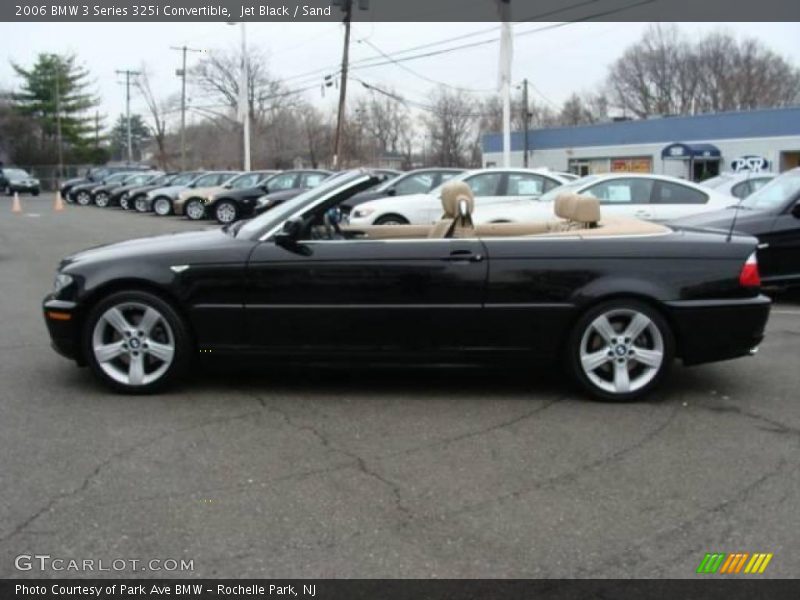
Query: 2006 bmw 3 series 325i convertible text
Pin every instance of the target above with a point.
(614, 300)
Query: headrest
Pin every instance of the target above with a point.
(586, 210)
(574, 207)
(564, 204)
(453, 193)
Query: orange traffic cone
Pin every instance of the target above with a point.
(16, 207)
(58, 205)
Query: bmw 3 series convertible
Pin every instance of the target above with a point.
(613, 300)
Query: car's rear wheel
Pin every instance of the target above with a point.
(226, 212)
(83, 198)
(391, 220)
(195, 210)
(136, 342)
(140, 204)
(101, 199)
(162, 206)
(620, 350)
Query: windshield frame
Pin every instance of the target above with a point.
(264, 226)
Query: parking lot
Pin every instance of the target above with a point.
(388, 473)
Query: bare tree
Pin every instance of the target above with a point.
(450, 128)
(157, 110)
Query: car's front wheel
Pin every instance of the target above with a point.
(195, 210)
(140, 204)
(123, 202)
(226, 212)
(83, 198)
(162, 207)
(620, 350)
(136, 342)
(101, 199)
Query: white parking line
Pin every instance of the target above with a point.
(787, 312)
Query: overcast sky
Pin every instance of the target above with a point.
(557, 61)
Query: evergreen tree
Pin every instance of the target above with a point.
(56, 84)
(140, 134)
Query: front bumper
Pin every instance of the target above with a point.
(61, 318)
(24, 187)
(714, 330)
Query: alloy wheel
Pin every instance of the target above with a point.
(133, 344)
(195, 210)
(162, 207)
(83, 198)
(226, 213)
(140, 204)
(621, 351)
(101, 199)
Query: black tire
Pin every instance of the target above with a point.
(35, 192)
(391, 220)
(226, 212)
(620, 353)
(179, 335)
(194, 209)
(83, 198)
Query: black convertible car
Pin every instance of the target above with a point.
(772, 214)
(613, 299)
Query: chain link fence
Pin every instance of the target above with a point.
(49, 177)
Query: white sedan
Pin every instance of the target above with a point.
(740, 185)
(644, 196)
(490, 186)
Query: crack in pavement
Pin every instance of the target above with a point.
(87, 481)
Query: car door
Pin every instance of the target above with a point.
(330, 297)
(623, 197)
(672, 200)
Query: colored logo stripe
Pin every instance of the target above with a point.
(733, 563)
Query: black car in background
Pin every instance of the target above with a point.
(623, 299)
(16, 180)
(242, 190)
(418, 181)
(128, 199)
(275, 190)
(82, 194)
(772, 214)
(95, 174)
(119, 196)
(101, 196)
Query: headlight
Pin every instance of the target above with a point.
(361, 212)
(263, 201)
(210, 198)
(62, 280)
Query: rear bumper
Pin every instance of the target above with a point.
(60, 316)
(713, 330)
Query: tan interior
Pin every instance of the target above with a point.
(579, 216)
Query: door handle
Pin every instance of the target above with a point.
(463, 256)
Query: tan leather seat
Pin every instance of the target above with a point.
(576, 212)
(457, 204)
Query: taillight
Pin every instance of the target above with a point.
(749, 276)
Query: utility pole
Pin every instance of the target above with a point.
(58, 122)
(347, 7)
(243, 108)
(128, 73)
(182, 74)
(526, 116)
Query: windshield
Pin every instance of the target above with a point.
(15, 173)
(572, 186)
(280, 213)
(162, 180)
(775, 194)
(116, 177)
(138, 179)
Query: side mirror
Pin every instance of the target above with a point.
(290, 232)
(391, 192)
(264, 187)
(796, 210)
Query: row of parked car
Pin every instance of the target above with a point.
(501, 195)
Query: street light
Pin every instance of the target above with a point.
(244, 97)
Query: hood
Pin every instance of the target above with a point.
(715, 219)
(143, 248)
(201, 192)
(170, 190)
(75, 181)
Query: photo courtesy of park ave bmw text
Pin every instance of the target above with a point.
(339, 299)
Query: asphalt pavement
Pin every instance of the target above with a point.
(391, 473)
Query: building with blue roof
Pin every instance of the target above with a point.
(692, 147)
